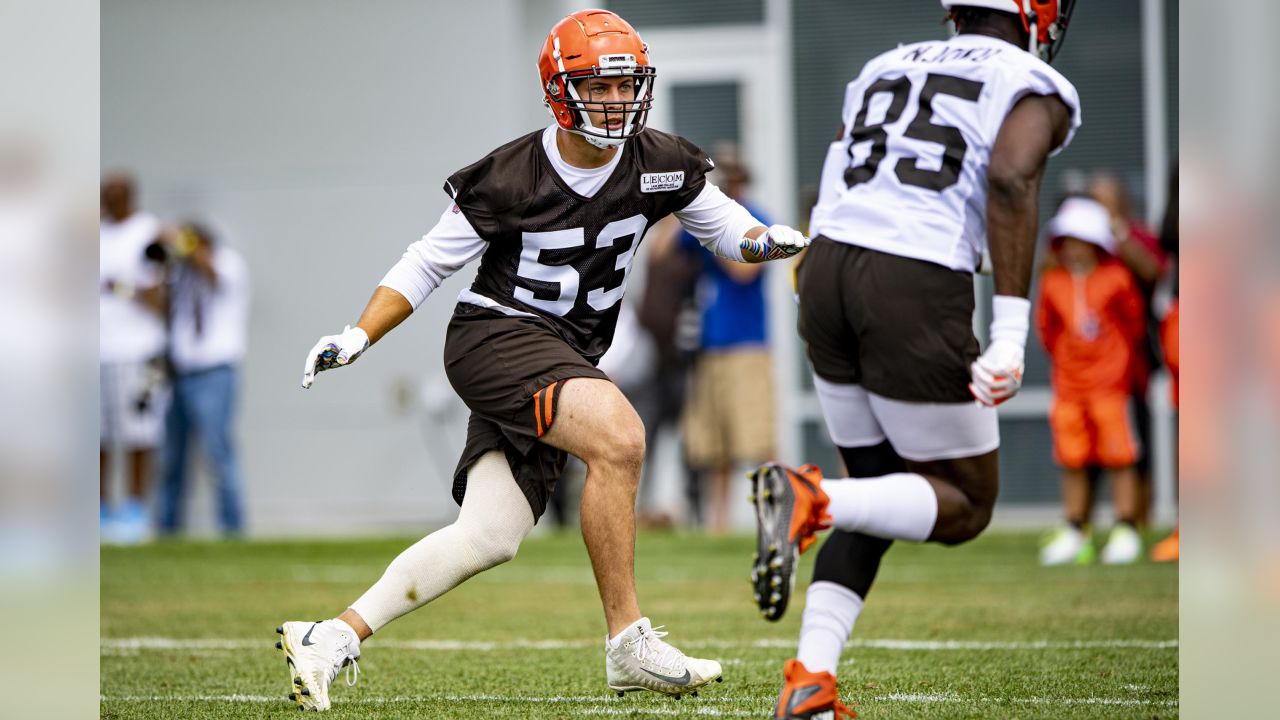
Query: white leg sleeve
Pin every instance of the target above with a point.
(900, 506)
(495, 518)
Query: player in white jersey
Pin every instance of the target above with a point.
(939, 159)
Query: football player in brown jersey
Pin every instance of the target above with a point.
(555, 218)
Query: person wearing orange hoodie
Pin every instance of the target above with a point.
(1089, 313)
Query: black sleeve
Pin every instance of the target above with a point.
(697, 165)
(663, 153)
(492, 192)
(465, 188)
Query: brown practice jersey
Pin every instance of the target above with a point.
(558, 255)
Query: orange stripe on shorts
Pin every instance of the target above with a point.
(549, 412)
(537, 411)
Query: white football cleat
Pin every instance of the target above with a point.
(316, 652)
(640, 660)
(1124, 546)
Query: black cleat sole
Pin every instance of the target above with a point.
(776, 557)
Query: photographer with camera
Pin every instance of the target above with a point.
(208, 328)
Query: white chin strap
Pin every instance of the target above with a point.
(603, 143)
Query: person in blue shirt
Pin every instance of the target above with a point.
(723, 427)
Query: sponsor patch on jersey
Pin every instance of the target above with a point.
(661, 182)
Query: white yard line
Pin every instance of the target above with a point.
(134, 644)
(953, 698)
(1012, 645)
(597, 705)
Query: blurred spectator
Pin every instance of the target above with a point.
(1089, 314)
(41, 422)
(131, 349)
(209, 318)
(1139, 249)
(1135, 244)
(667, 317)
(723, 426)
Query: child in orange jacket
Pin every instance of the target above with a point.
(1090, 317)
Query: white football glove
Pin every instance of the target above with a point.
(777, 243)
(997, 373)
(784, 242)
(334, 351)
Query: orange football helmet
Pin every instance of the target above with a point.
(591, 44)
(1044, 20)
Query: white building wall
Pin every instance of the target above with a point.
(315, 137)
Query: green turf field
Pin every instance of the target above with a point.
(977, 631)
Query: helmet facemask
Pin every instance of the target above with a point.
(561, 90)
(1045, 21)
(1046, 35)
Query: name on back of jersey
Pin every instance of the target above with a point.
(661, 182)
(943, 53)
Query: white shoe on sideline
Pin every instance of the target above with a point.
(1124, 546)
(1068, 544)
(316, 652)
(640, 660)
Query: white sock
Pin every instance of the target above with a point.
(900, 506)
(613, 641)
(495, 517)
(355, 637)
(830, 610)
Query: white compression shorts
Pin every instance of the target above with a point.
(917, 431)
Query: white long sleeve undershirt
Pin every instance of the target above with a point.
(718, 222)
(715, 219)
(440, 253)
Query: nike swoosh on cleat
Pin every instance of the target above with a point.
(799, 697)
(306, 639)
(673, 680)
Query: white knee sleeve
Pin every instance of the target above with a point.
(495, 514)
(494, 519)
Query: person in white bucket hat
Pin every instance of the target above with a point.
(1089, 313)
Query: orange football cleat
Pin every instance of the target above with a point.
(1167, 549)
(790, 509)
(809, 696)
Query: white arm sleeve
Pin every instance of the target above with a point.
(718, 222)
(451, 244)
